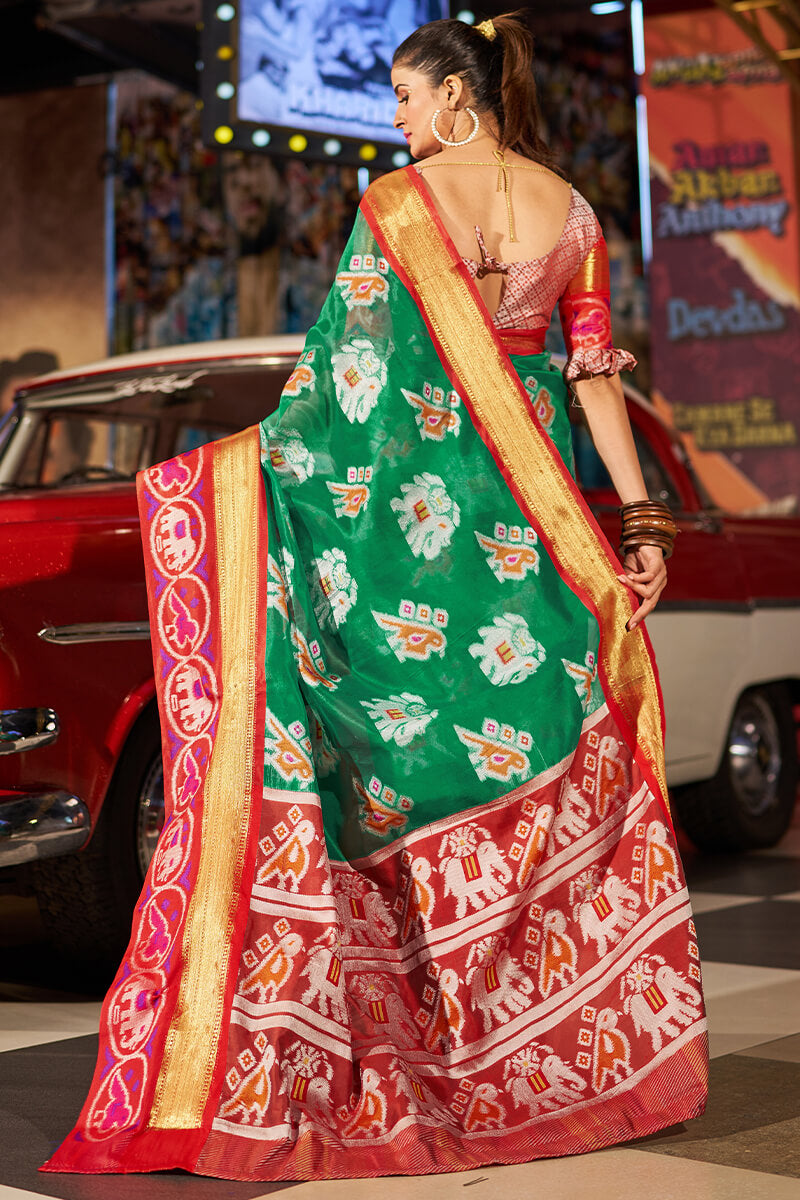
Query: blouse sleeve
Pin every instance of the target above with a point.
(585, 311)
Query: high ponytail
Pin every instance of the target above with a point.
(498, 73)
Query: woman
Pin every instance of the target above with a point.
(438, 920)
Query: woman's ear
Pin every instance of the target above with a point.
(455, 90)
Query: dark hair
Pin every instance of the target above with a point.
(497, 73)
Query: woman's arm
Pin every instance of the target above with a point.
(603, 403)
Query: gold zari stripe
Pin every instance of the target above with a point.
(192, 1040)
(452, 309)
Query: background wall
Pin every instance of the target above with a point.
(52, 283)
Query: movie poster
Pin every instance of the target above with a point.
(725, 276)
(313, 65)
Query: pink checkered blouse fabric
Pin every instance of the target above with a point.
(534, 287)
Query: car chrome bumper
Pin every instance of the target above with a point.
(41, 825)
(26, 728)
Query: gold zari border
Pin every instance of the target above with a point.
(191, 1044)
(476, 359)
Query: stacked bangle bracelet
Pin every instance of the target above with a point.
(647, 523)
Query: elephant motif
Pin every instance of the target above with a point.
(498, 985)
(659, 999)
(323, 970)
(364, 915)
(538, 1079)
(474, 873)
(572, 816)
(604, 909)
(306, 1082)
(417, 1095)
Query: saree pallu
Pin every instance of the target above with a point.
(417, 905)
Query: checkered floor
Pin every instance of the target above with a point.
(746, 1147)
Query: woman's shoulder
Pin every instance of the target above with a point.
(583, 225)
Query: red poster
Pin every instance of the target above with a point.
(725, 276)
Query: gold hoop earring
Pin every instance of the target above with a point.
(464, 141)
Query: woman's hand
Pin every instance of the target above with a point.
(646, 574)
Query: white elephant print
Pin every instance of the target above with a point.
(416, 1093)
(499, 986)
(541, 1081)
(605, 908)
(306, 1081)
(508, 652)
(363, 913)
(659, 999)
(427, 515)
(475, 873)
(325, 974)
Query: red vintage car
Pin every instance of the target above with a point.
(81, 795)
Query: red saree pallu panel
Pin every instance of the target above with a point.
(517, 982)
(148, 1106)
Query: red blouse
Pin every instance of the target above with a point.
(574, 275)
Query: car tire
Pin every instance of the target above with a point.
(86, 900)
(748, 805)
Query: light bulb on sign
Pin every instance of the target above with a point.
(298, 143)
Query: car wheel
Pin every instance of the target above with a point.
(86, 900)
(748, 804)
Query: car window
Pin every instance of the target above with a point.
(79, 447)
(112, 427)
(593, 476)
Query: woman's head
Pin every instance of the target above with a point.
(488, 67)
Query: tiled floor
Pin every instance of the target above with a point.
(746, 1147)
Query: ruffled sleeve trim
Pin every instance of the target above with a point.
(597, 361)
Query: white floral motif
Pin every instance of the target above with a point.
(290, 457)
(427, 515)
(508, 651)
(359, 376)
(400, 718)
(334, 589)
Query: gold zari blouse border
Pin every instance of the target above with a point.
(192, 1040)
(453, 310)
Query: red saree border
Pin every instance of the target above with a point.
(390, 223)
(145, 1085)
